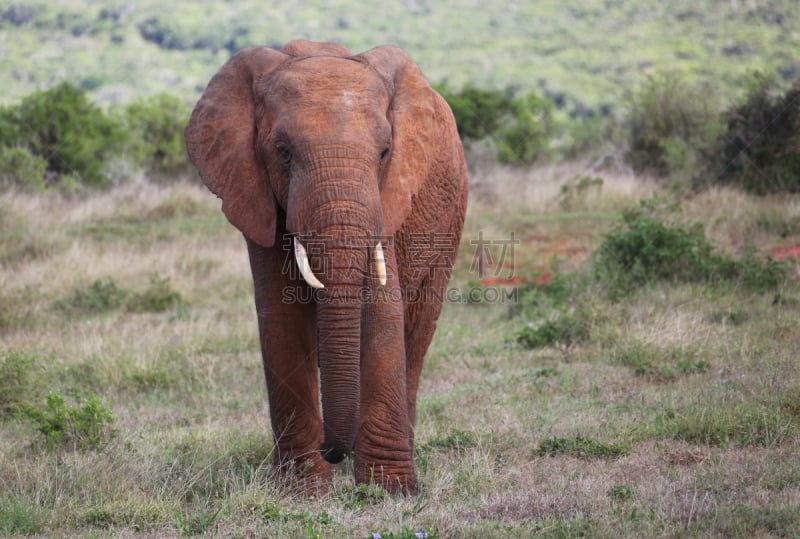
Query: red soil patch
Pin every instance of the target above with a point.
(785, 253)
(516, 280)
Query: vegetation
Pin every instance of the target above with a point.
(625, 367)
(760, 147)
(83, 425)
(646, 249)
(520, 127)
(670, 123)
(684, 383)
(155, 131)
(580, 447)
(65, 129)
(60, 136)
(585, 55)
(104, 295)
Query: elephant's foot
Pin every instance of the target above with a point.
(393, 478)
(310, 474)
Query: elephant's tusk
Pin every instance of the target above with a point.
(380, 264)
(301, 257)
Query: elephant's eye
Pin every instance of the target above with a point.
(285, 154)
(384, 153)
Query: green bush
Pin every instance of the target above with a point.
(671, 125)
(99, 297)
(63, 127)
(622, 493)
(158, 297)
(479, 113)
(104, 295)
(545, 297)
(20, 168)
(155, 130)
(14, 381)
(521, 126)
(84, 425)
(171, 32)
(563, 329)
(644, 250)
(760, 145)
(527, 137)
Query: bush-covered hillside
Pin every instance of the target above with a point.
(585, 53)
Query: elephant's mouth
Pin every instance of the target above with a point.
(301, 256)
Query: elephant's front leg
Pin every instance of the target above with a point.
(286, 321)
(383, 452)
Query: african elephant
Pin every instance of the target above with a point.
(352, 163)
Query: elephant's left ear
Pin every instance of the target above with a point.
(425, 141)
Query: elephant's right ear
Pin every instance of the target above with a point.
(220, 138)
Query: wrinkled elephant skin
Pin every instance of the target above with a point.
(346, 176)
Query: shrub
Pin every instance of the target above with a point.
(158, 297)
(671, 124)
(172, 33)
(63, 127)
(645, 249)
(105, 295)
(554, 294)
(622, 493)
(760, 145)
(479, 113)
(527, 138)
(14, 376)
(18, 14)
(575, 191)
(19, 167)
(85, 425)
(563, 329)
(155, 129)
(99, 297)
(521, 126)
(164, 34)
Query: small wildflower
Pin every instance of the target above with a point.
(376, 535)
(421, 535)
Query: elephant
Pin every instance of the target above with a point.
(346, 176)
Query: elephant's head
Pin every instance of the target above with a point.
(337, 145)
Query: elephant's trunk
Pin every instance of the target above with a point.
(338, 205)
(339, 342)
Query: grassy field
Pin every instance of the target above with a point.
(677, 414)
(589, 53)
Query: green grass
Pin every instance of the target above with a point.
(589, 53)
(677, 412)
(580, 447)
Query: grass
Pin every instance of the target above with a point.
(588, 54)
(677, 412)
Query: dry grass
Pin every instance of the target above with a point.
(711, 451)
